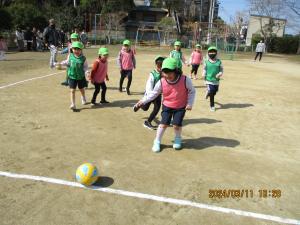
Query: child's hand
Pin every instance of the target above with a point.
(188, 107)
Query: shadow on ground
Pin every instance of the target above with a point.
(104, 182)
(233, 105)
(200, 120)
(204, 142)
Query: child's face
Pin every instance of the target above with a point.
(170, 76)
(198, 49)
(126, 48)
(104, 57)
(77, 51)
(177, 47)
(158, 66)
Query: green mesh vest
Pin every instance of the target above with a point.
(156, 75)
(75, 69)
(178, 56)
(212, 69)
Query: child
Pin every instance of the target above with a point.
(3, 48)
(178, 96)
(154, 77)
(196, 60)
(126, 62)
(212, 72)
(77, 69)
(68, 49)
(99, 75)
(177, 54)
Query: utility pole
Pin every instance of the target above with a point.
(74, 3)
(211, 19)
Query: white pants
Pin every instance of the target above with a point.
(2, 55)
(53, 51)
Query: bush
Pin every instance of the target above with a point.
(5, 20)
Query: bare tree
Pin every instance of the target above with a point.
(235, 27)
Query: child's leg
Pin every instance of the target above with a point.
(103, 92)
(177, 123)
(123, 75)
(129, 76)
(96, 92)
(81, 86)
(160, 132)
(196, 71)
(156, 103)
(72, 92)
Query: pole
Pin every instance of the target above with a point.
(74, 3)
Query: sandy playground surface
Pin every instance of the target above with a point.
(251, 142)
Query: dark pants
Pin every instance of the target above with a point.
(29, 44)
(97, 90)
(128, 74)
(212, 91)
(258, 54)
(157, 103)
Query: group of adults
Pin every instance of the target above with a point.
(35, 40)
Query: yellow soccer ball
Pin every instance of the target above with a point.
(87, 174)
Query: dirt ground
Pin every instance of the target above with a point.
(251, 142)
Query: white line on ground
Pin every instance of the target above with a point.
(34, 78)
(154, 198)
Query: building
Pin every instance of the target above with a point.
(256, 23)
(143, 16)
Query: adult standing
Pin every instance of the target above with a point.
(20, 39)
(28, 38)
(34, 39)
(260, 49)
(52, 41)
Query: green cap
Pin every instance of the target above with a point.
(103, 51)
(169, 63)
(74, 36)
(198, 46)
(212, 48)
(126, 42)
(77, 44)
(177, 43)
(159, 58)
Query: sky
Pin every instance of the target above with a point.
(228, 8)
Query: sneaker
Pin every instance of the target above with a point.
(156, 146)
(72, 106)
(177, 143)
(136, 108)
(128, 92)
(83, 101)
(103, 102)
(148, 125)
(212, 109)
(120, 89)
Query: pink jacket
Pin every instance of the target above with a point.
(99, 71)
(126, 60)
(196, 58)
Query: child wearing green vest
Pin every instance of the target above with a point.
(212, 72)
(155, 76)
(177, 54)
(77, 70)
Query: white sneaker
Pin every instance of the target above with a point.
(83, 101)
(212, 109)
(72, 106)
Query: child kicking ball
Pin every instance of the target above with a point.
(178, 96)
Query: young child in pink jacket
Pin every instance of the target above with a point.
(196, 60)
(126, 62)
(99, 75)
